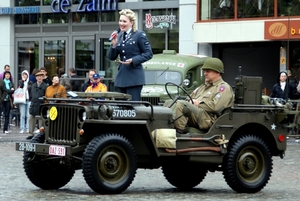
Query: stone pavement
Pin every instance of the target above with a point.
(14, 135)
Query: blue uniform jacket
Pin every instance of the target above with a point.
(135, 47)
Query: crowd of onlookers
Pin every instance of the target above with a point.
(36, 85)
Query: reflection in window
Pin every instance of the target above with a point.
(162, 77)
(28, 56)
(54, 56)
(109, 16)
(28, 19)
(162, 29)
(47, 2)
(84, 56)
(85, 17)
(55, 18)
(255, 8)
(288, 7)
(27, 3)
(222, 9)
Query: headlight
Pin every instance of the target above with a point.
(45, 112)
(82, 115)
(105, 111)
(186, 82)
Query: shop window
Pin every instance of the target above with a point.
(47, 2)
(255, 8)
(54, 56)
(85, 17)
(27, 3)
(28, 19)
(55, 18)
(110, 16)
(28, 56)
(84, 56)
(222, 9)
(288, 7)
(162, 29)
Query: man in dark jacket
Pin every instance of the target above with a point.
(37, 90)
(74, 83)
(90, 81)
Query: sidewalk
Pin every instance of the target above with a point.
(14, 135)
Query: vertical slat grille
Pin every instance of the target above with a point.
(152, 100)
(64, 128)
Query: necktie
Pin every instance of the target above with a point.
(124, 35)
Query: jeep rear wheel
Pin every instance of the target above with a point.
(183, 175)
(109, 164)
(46, 174)
(248, 164)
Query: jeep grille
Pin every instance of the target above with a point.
(152, 100)
(63, 130)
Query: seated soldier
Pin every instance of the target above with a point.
(209, 99)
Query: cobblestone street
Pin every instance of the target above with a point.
(148, 184)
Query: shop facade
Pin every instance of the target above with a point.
(70, 33)
(261, 36)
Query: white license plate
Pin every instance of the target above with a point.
(57, 150)
(26, 146)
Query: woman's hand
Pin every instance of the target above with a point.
(127, 62)
(114, 42)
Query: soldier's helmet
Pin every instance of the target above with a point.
(213, 64)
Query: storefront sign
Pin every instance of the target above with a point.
(163, 21)
(19, 10)
(62, 6)
(288, 29)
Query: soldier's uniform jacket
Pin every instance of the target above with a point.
(136, 47)
(214, 97)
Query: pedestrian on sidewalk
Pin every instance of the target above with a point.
(8, 100)
(37, 91)
(25, 84)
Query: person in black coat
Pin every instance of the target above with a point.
(281, 88)
(134, 49)
(38, 90)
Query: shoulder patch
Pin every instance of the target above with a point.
(222, 88)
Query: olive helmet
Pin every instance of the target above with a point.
(213, 64)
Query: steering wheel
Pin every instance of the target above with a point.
(178, 95)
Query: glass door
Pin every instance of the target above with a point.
(107, 68)
(54, 54)
(28, 56)
(84, 51)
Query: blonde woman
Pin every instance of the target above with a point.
(134, 49)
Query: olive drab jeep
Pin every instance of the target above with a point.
(109, 137)
(181, 69)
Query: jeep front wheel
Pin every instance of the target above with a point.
(109, 164)
(46, 174)
(248, 164)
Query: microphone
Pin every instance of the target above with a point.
(114, 34)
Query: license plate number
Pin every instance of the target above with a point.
(57, 150)
(26, 146)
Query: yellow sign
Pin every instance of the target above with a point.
(53, 113)
(282, 60)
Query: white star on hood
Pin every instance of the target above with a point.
(273, 127)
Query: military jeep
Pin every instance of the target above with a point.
(181, 69)
(109, 137)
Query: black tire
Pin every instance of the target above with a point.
(46, 174)
(247, 167)
(109, 164)
(183, 175)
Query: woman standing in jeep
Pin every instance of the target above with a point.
(134, 49)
